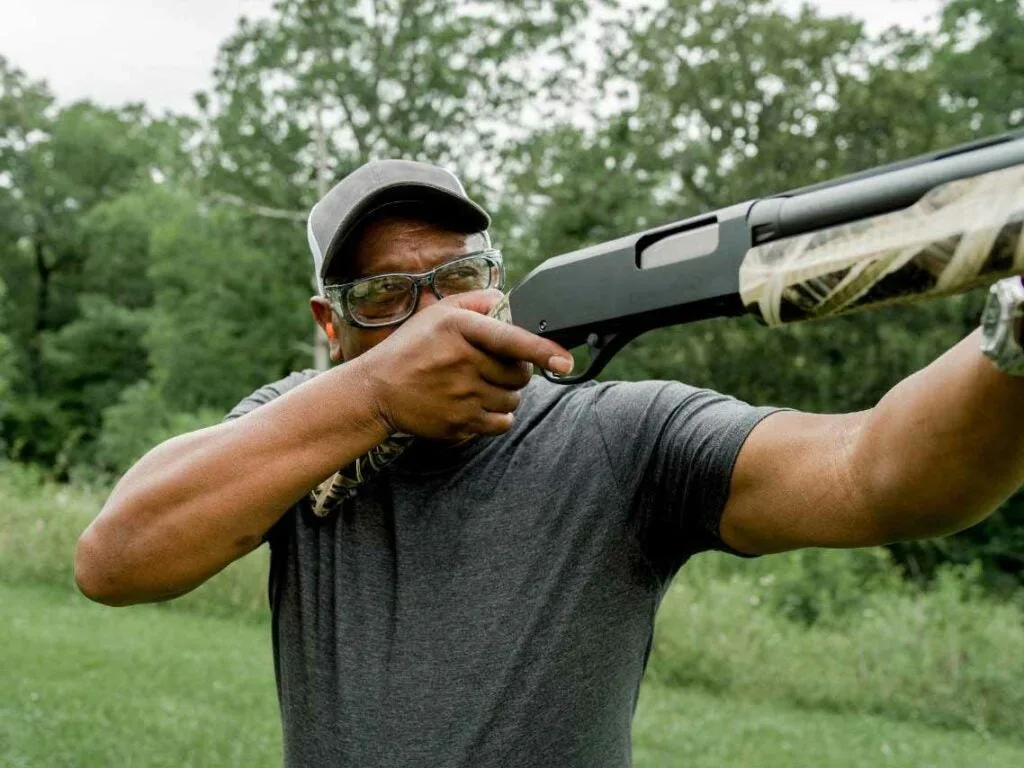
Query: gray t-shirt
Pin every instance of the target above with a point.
(492, 604)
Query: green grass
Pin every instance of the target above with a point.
(675, 727)
(84, 685)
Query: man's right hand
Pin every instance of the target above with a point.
(451, 372)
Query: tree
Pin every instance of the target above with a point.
(223, 320)
(60, 165)
(981, 61)
(5, 367)
(433, 80)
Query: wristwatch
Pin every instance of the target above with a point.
(1001, 324)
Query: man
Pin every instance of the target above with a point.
(488, 599)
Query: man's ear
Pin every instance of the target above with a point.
(325, 318)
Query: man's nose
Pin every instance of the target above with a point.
(427, 297)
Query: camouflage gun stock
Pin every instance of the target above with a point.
(935, 225)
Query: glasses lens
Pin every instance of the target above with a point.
(381, 300)
(472, 274)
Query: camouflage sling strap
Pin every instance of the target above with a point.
(342, 484)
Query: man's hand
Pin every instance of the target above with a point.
(451, 371)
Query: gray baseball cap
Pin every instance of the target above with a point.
(378, 186)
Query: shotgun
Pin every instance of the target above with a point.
(935, 225)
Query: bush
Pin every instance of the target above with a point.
(945, 655)
(41, 523)
(139, 421)
(827, 587)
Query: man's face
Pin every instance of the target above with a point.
(390, 244)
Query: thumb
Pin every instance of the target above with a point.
(477, 301)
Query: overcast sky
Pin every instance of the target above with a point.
(162, 51)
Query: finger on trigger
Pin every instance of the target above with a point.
(504, 340)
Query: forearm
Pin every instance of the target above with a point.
(944, 447)
(199, 501)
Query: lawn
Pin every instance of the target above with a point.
(83, 685)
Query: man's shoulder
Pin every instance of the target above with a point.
(546, 393)
(292, 380)
(545, 401)
(270, 391)
(621, 410)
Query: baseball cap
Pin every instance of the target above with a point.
(380, 185)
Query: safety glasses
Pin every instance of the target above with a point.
(384, 300)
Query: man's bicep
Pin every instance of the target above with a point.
(794, 485)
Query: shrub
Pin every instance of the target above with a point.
(41, 523)
(946, 655)
(137, 422)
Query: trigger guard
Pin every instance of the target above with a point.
(602, 348)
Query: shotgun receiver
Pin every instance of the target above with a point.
(934, 225)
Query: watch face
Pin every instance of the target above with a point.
(1000, 340)
(991, 314)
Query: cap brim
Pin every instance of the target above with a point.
(459, 214)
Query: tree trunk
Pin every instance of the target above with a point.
(321, 353)
(43, 272)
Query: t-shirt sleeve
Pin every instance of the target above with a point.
(268, 392)
(673, 448)
(262, 396)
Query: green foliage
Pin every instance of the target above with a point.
(6, 364)
(139, 420)
(728, 100)
(43, 519)
(996, 546)
(117, 253)
(224, 322)
(943, 656)
(551, 174)
(90, 360)
(828, 588)
(156, 272)
(41, 523)
(981, 61)
(430, 80)
(75, 343)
